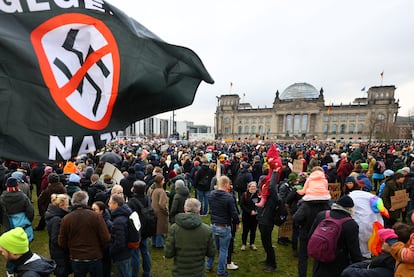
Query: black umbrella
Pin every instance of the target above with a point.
(110, 157)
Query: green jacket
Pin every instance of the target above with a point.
(189, 242)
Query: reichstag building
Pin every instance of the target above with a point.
(300, 113)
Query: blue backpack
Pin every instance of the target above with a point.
(21, 220)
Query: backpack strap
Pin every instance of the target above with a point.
(339, 221)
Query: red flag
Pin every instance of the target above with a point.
(382, 74)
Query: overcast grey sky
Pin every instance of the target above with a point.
(264, 46)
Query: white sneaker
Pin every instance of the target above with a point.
(253, 247)
(232, 266)
(243, 247)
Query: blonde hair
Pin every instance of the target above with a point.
(59, 199)
(223, 181)
(94, 177)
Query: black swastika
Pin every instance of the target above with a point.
(69, 46)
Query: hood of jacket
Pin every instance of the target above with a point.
(36, 264)
(53, 211)
(124, 210)
(188, 220)
(183, 191)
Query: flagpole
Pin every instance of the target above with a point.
(382, 77)
(231, 86)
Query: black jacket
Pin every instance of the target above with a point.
(265, 215)
(306, 213)
(222, 208)
(53, 218)
(118, 246)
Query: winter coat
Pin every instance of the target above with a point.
(265, 215)
(257, 171)
(247, 204)
(223, 208)
(44, 198)
(159, 204)
(127, 183)
(84, 233)
(366, 182)
(380, 266)
(53, 217)
(202, 173)
(33, 265)
(118, 246)
(306, 213)
(389, 190)
(72, 187)
(178, 202)
(402, 269)
(13, 202)
(189, 241)
(347, 250)
(93, 190)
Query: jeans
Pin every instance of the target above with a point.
(222, 237)
(80, 269)
(146, 260)
(158, 241)
(122, 268)
(202, 196)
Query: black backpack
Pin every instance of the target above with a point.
(148, 220)
(280, 213)
(240, 183)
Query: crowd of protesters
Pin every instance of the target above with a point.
(233, 182)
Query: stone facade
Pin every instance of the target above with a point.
(301, 113)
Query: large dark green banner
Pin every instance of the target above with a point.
(73, 73)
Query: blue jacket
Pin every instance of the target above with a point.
(118, 246)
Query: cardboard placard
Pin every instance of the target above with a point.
(334, 190)
(399, 200)
(112, 171)
(286, 229)
(297, 166)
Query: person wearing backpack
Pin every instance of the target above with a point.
(138, 202)
(342, 244)
(316, 198)
(244, 176)
(118, 247)
(202, 183)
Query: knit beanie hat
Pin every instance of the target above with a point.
(12, 182)
(18, 175)
(364, 165)
(388, 173)
(15, 241)
(316, 187)
(345, 201)
(292, 177)
(386, 234)
(53, 178)
(74, 178)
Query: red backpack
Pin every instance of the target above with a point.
(324, 239)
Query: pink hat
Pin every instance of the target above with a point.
(316, 187)
(386, 234)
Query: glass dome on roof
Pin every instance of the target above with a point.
(299, 90)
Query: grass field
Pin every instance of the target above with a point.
(246, 260)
